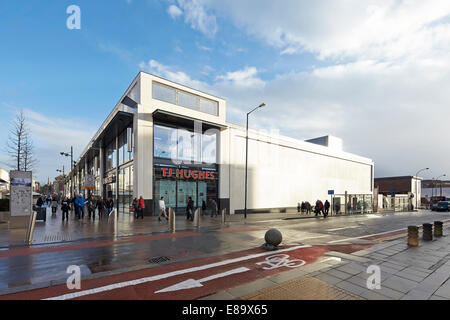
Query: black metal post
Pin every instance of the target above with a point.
(71, 170)
(246, 164)
(246, 159)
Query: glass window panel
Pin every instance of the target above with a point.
(185, 145)
(121, 149)
(163, 93)
(209, 106)
(165, 142)
(209, 147)
(187, 100)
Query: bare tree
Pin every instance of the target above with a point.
(19, 145)
(29, 161)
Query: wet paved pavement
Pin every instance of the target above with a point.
(102, 257)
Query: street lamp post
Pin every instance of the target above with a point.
(64, 180)
(246, 159)
(417, 188)
(66, 154)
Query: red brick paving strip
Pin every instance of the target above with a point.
(92, 244)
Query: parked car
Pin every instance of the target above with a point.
(443, 206)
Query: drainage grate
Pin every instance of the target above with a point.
(57, 237)
(158, 260)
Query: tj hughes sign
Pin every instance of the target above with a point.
(186, 173)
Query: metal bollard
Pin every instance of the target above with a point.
(438, 228)
(30, 230)
(197, 218)
(224, 211)
(413, 236)
(427, 232)
(171, 220)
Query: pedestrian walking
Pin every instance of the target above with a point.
(162, 209)
(203, 207)
(213, 206)
(91, 205)
(65, 206)
(79, 206)
(134, 207)
(39, 202)
(327, 207)
(109, 205)
(336, 208)
(141, 207)
(54, 203)
(308, 207)
(190, 209)
(299, 206)
(100, 207)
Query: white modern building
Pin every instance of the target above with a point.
(166, 139)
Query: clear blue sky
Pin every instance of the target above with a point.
(321, 68)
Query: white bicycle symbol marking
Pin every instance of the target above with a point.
(281, 260)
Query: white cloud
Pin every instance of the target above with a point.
(243, 78)
(370, 29)
(204, 48)
(174, 12)
(195, 14)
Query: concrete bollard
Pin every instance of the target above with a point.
(171, 220)
(273, 238)
(197, 218)
(438, 228)
(223, 215)
(413, 236)
(427, 232)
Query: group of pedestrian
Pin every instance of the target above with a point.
(304, 207)
(319, 207)
(78, 204)
(138, 206)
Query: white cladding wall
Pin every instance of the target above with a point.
(280, 174)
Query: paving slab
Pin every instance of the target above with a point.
(399, 284)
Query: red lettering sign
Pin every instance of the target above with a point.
(184, 173)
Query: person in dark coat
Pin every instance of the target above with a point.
(65, 206)
(135, 205)
(190, 209)
(39, 202)
(327, 207)
(213, 206)
(109, 205)
(100, 207)
(308, 207)
(203, 207)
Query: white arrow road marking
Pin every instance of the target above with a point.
(191, 283)
(167, 275)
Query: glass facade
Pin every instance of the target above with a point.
(355, 203)
(110, 156)
(125, 189)
(177, 190)
(184, 99)
(185, 165)
(183, 145)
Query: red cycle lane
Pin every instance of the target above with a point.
(193, 279)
